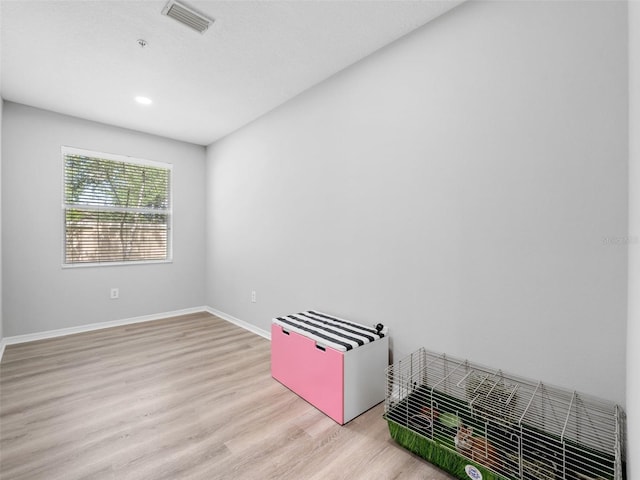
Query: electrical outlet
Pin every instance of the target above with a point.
(253, 296)
(115, 293)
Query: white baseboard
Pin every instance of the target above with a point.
(31, 337)
(240, 323)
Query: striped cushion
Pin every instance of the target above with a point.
(329, 331)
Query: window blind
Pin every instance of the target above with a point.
(116, 209)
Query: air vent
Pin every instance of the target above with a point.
(187, 16)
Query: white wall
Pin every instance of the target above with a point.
(1, 330)
(466, 186)
(1, 106)
(40, 295)
(633, 320)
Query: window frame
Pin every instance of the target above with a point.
(67, 150)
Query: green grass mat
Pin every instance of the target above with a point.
(438, 454)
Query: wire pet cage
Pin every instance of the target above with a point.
(479, 423)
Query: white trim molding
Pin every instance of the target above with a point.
(31, 337)
(240, 323)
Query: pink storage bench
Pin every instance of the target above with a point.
(335, 364)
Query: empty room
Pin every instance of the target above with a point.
(304, 239)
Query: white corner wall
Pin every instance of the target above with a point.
(1, 330)
(633, 320)
(38, 294)
(466, 186)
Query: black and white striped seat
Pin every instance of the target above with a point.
(328, 330)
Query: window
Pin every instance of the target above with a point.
(116, 209)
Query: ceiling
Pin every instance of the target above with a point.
(82, 58)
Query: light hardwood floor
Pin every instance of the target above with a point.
(189, 397)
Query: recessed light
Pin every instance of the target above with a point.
(144, 100)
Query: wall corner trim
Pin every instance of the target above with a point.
(240, 323)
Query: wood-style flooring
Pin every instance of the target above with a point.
(188, 397)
